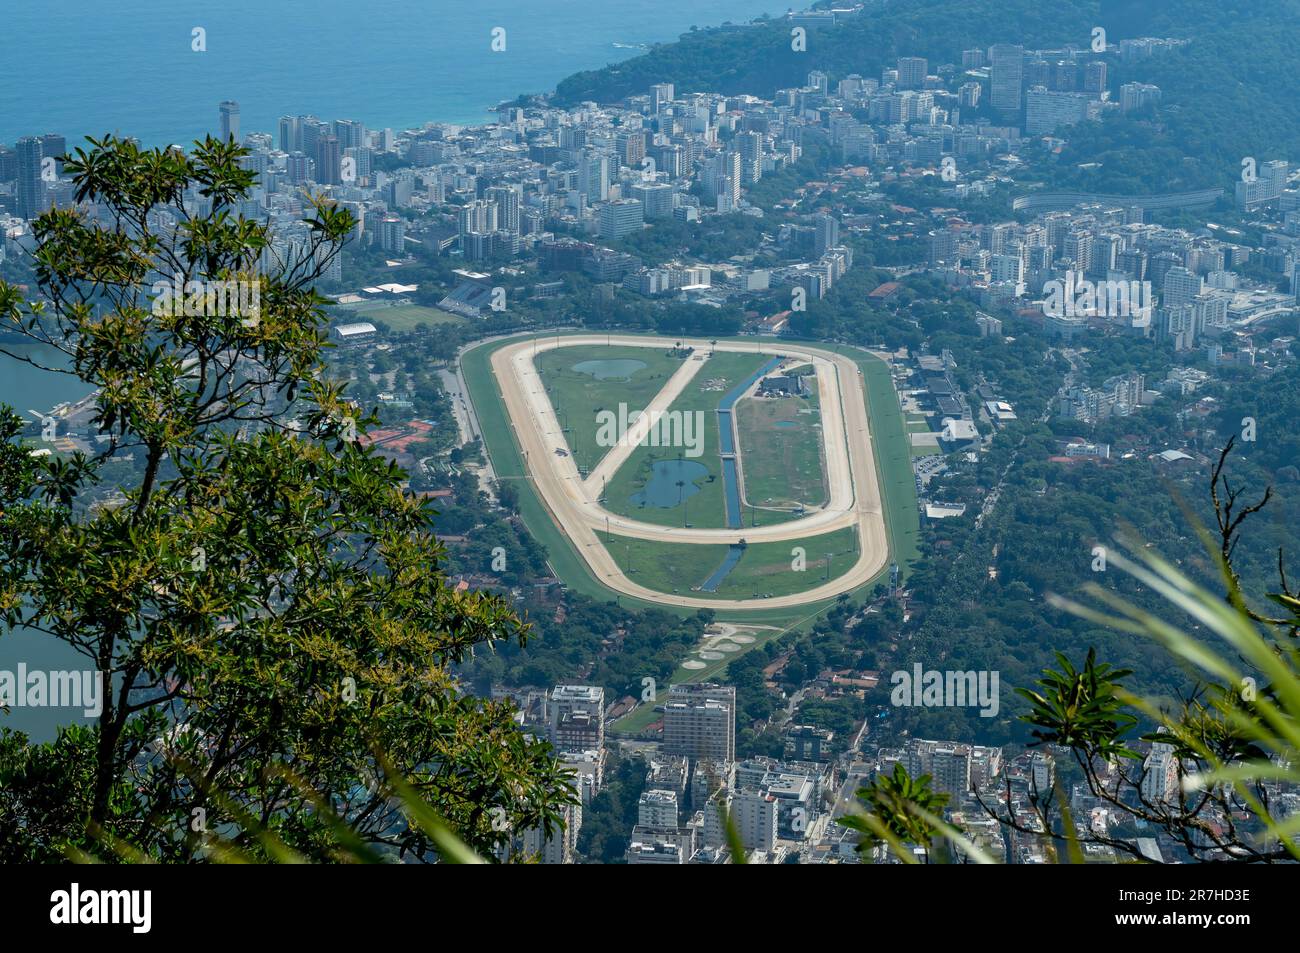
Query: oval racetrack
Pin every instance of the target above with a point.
(573, 502)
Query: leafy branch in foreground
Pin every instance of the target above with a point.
(896, 810)
(261, 590)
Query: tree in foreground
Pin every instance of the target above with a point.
(1232, 742)
(262, 600)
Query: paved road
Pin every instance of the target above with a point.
(454, 384)
(856, 776)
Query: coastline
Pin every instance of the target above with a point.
(437, 69)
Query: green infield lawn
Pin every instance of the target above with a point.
(664, 567)
(608, 377)
(781, 451)
(769, 569)
(645, 487)
(764, 569)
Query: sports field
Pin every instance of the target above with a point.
(570, 555)
(401, 317)
(658, 557)
(781, 452)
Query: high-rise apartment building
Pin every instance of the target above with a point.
(631, 148)
(750, 145)
(1006, 74)
(392, 234)
(299, 168)
(1135, 96)
(560, 845)
(911, 72)
(827, 234)
(620, 218)
(593, 175)
(755, 815)
(290, 137)
(1176, 324)
(229, 112)
(700, 722)
(506, 198)
(1266, 186)
(657, 809)
(954, 767)
(478, 216)
(575, 717)
(53, 146)
(362, 160)
(31, 187)
(328, 160)
(1132, 262)
(720, 175)
(351, 133)
(1160, 774)
(656, 199)
(1094, 78)
(1180, 287)
(1046, 110)
(1007, 269)
(661, 94)
(311, 129)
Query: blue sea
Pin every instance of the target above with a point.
(78, 67)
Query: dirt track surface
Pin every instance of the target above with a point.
(854, 491)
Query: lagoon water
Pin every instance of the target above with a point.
(734, 554)
(619, 369)
(661, 489)
(27, 388)
(81, 67)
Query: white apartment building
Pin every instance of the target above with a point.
(657, 809)
(700, 722)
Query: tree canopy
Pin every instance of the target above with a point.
(265, 607)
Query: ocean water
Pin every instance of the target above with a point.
(79, 67)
